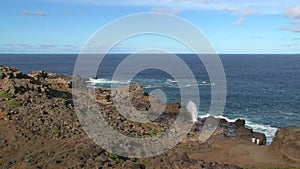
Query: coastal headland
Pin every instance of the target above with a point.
(40, 129)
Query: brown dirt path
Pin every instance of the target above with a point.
(243, 154)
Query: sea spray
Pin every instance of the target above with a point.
(192, 108)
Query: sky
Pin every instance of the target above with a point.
(231, 26)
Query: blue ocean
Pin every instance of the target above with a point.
(262, 89)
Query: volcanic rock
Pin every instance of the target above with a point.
(287, 141)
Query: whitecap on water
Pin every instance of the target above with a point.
(171, 81)
(105, 81)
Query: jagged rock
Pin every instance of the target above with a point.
(10, 73)
(246, 134)
(103, 95)
(38, 74)
(172, 108)
(239, 123)
(235, 130)
(287, 141)
(136, 89)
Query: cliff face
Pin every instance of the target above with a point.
(287, 142)
(40, 129)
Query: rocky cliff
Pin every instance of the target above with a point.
(40, 129)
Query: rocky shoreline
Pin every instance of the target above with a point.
(40, 129)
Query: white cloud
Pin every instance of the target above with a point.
(51, 47)
(295, 22)
(293, 12)
(69, 46)
(17, 45)
(296, 39)
(48, 46)
(34, 13)
(256, 37)
(289, 45)
(291, 29)
(184, 4)
(296, 29)
(265, 7)
(228, 9)
(242, 13)
(173, 11)
(248, 12)
(239, 22)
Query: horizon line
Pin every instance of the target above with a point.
(128, 53)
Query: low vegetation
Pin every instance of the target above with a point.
(152, 134)
(12, 103)
(183, 146)
(5, 95)
(119, 159)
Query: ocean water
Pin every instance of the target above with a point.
(262, 89)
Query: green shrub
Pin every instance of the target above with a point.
(119, 159)
(61, 99)
(12, 103)
(112, 156)
(5, 95)
(151, 133)
(183, 146)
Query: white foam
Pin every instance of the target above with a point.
(105, 81)
(188, 85)
(185, 83)
(268, 130)
(147, 86)
(207, 84)
(219, 117)
(171, 81)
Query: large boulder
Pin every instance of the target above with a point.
(287, 141)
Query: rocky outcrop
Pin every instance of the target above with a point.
(10, 73)
(287, 141)
(246, 134)
(234, 130)
(38, 74)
